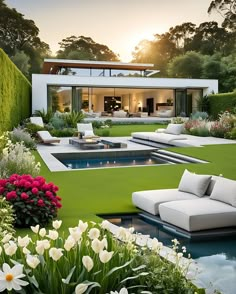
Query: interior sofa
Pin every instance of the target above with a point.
(201, 202)
(167, 136)
(165, 111)
(120, 113)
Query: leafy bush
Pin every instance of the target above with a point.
(17, 158)
(199, 115)
(57, 122)
(34, 201)
(102, 132)
(68, 132)
(93, 260)
(32, 129)
(3, 142)
(20, 135)
(203, 104)
(6, 218)
(218, 129)
(72, 118)
(46, 115)
(97, 124)
(231, 135)
(178, 120)
(221, 102)
(197, 128)
(108, 122)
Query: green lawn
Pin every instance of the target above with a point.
(126, 130)
(90, 192)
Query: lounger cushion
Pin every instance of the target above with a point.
(174, 129)
(88, 133)
(198, 214)
(150, 200)
(225, 191)
(195, 184)
(46, 137)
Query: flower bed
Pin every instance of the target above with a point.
(89, 260)
(34, 201)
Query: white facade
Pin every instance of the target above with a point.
(40, 83)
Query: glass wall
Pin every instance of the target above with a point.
(60, 98)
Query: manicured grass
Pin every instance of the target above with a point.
(126, 130)
(90, 192)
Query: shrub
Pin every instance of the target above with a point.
(102, 132)
(19, 135)
(93, 259)
(197, 128)
(97, 124)
(6, 218)
(17, 158)
(34, 201)
(108, 122)
(231, 135)
(3, 142)
(72, 118)
(221, 102)
(178, 120)
(46, 115)
(199, 115)
(57, 122)
(32, 129)
(68, 132)
(218, 129)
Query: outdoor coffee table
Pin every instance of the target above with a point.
(86, 144)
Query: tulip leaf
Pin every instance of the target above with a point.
(95, 284)
(135, 277)
(33, 281)
(139, 267)
(117, 268)
(67, 280)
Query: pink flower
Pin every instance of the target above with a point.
(58, 198)
(27, 184)
(41, 202)
(22, 183)
(35, 184)
(55, 189)
(35, 191)
(3, 182)
(11, 195)
(24, 196)
(2, 190)
(48, 194)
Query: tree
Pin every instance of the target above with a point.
(186, 66)
(21, 60)
(85, 48)
(227, 9)
(182, 34)
(20, 34)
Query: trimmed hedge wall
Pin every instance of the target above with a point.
(221, 102)
(15, 94)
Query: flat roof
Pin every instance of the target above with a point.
(52, 66)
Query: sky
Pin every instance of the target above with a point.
(119, 24)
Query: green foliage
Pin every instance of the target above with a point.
(203, 104)
(20, 135)
(197, 127)
(82, 47)
(32, 129)
(231, 135)
(102, 132)
(46, 115)
(57, 122)
(108, 122)
(221, 102)
(97, 124)
(21, 60)
(67, 132)
(199, 115)
(15, 91)
(72, 118)
(7, 218)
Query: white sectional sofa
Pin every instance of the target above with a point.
(201, 202)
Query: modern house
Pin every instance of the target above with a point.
(105, 87)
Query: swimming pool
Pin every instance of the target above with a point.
(216, 257)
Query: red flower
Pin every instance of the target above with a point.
(58, 198)
(41, 203)
(11, 195)
(24, 196)
(35, 191)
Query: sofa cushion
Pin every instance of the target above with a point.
(211, 185)
(198, 214)
(174, 129)
(224, 190)
(150, 200)
(195, 184)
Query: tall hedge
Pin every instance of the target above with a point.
(15, 94)
(221, 102)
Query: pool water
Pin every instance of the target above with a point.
(216, 257)
(111, 162)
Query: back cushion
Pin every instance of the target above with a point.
(88, 133)
(174, 129)
(195, 184)
(211, 185)
(224, 191)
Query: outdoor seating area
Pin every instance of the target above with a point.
(201, 202)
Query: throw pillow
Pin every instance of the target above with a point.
(225, 191)
(195, 184)
(88, 133)
(174, 129)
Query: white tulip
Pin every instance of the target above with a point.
(75, 233)
(6, 238)
(97, 245)
(52, 234)
(26, 251)
(104, 243)
(94, 233)
(42, 245)
(81, 288)
(10, 248)
(82, 226)
(35, 229)
(56, 224)
(154, 244)
(87, 262)
(23, 242)
(55, 253)
(105, 256)
(106, 225)
(32, 261)
(69, 243)
(42, 232)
